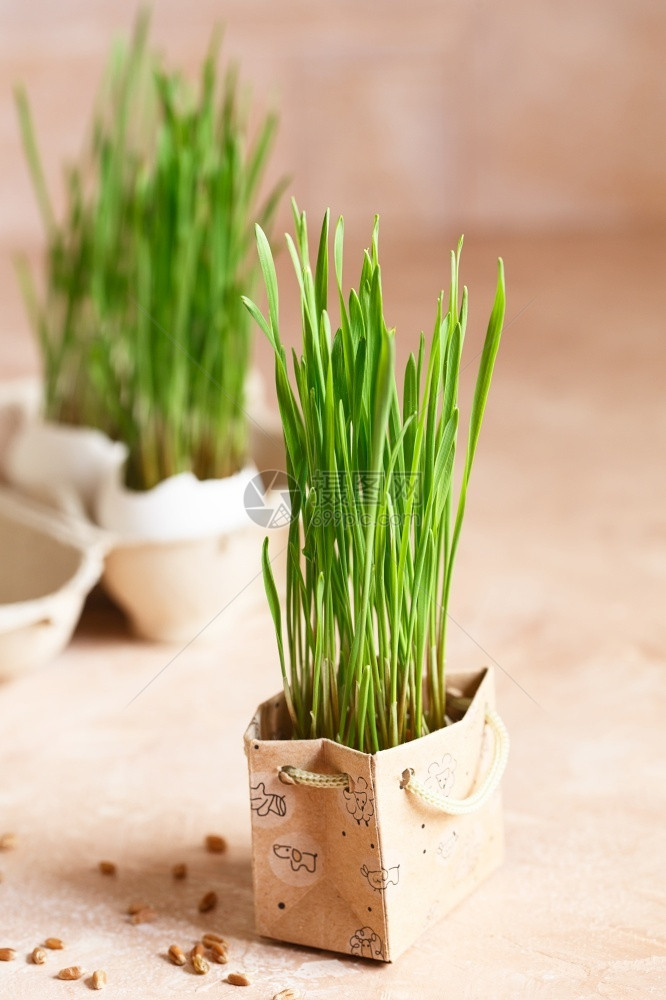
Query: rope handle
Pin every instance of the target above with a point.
(453, 807)
(461, 807)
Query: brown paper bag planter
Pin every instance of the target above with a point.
(359, 853)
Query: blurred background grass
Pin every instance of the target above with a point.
(499, 120)
(442, 115)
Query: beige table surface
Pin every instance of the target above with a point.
(560, 583)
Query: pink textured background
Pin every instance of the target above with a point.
(538, 130)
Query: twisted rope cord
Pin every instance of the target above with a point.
(461, 807)
(297, 776)
(454, 807)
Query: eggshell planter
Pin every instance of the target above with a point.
(49, 564)
(65, 466)
(364, 870)
(182, 551)
(177, 553)
(20, 400)
(60, 465)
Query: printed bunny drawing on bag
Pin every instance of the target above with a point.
(359, 803)
(383, 877)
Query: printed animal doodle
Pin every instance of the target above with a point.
(298, 859)
(446, 847)
(366, 944)
(433, 913)
(382, 877)
(263, 802)
(359, 804)
(469, 854)
(441, 775)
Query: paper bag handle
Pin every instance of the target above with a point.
(454, 807)
(461, 807)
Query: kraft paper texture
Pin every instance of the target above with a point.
(364, 871)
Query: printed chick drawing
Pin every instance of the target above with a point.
(383, 877)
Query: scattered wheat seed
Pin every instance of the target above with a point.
(200, 965)
(144, 916)
(219, 953)
(287, 994)
(211, 938)
(198, 949)
(136, 908)
(177, 955)
(179, 871)
(99, 979)
(215, 844)
(8, 841)
(238, 979)
(55, 944)
(208, 902)
(7, 954)
(38, 956)
(107, 868)
(71, 972)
